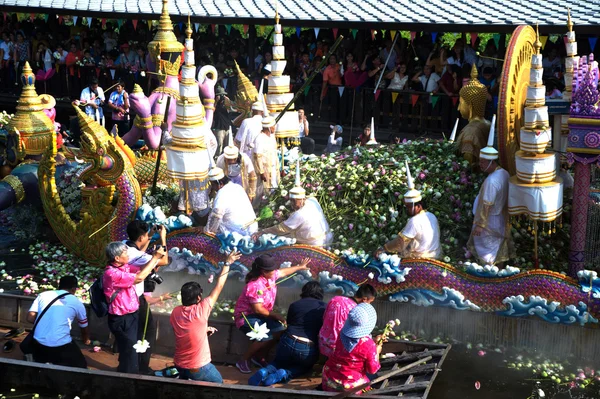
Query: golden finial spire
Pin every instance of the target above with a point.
(165, 40)
(276, 12)
(474, 73)
(537, 44)
(189, 30)
(569, 22)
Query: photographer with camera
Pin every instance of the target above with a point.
(140, 234)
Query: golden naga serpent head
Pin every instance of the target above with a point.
(473, 97)
(107, 160)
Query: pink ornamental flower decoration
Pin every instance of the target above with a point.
(27, 291)
(350, 227)
(211, 278)
(97, 349)
(422, 176)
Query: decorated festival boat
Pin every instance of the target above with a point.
(111, 194)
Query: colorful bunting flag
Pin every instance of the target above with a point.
(112, 73)
(214, 28)
(317, 32)
(412, 36)
(592, 41)
(75, 18)
(393, 34)
(394, 97)
(413, 99)
(434, 100)
(228, 29)
(543, 40)
(197, 26)
(306, 90)
(103, 23)
(354, 32)
(46, 17)
(180, 26)
(298, 31)
(4, 13)
(473, 38)
(496, 38)
(149, 24)
(433, 36)
(245, 29)
(377, 93)
(134, 22)
(60, 19)
(373, 33)
(32, 16)
(341, 90)
(335, 32)
(454, 101)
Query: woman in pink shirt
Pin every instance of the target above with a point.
(336, 314)
(356, 354)
(255, 305)
(118, 281)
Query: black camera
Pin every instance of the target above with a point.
(156, 278)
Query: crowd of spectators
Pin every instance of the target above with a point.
(66, 58)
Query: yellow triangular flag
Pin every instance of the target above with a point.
(393, 34)
(543, 40)
(149, 25)
(394, 97)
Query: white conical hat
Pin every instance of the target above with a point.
(412, 195)
(297, 192)
(489, 152)
(231, 151)
(215, 174)
(372, 140)
(453, 135)
(268, 121)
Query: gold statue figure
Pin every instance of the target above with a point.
(473, 137)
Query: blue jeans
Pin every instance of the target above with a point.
(297, 357)
(208, 373)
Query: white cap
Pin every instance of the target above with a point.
(412, 195)
(231, 151)
(372, 140)
(257, 106)
(453, 135)
(215, 174)
(489, 152)
(268, 121)
(338, 128)
(297, 192)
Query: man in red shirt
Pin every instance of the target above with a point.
(190, 324)
(332, 75)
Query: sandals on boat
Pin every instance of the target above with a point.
(15, 332)
(9, 346)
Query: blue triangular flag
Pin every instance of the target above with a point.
(433, 36)
(298, 31)
(181, 26)
(317, 32)
(196, 26)
(592, 42)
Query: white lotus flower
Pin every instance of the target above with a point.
(259, 332)
(541, 393)
(141, 346)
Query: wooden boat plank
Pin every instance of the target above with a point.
(417, 386)
(436, 353)
(435, 373)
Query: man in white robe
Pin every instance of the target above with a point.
(490, 239)
(307, 224)
(238, 167)
(266, 161)
(232, 210)
(250, 129)
(420, 238)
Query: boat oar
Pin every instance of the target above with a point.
(382, 378)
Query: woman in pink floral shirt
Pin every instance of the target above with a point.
(336, 315)
(356, 354)
(255, 305)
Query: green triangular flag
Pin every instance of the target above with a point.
(354, 32)
(306, 90)
(228, 28)
(496, 38)
(434, 100)
(120, 22)
(45, 17)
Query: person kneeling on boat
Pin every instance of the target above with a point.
(52, 341)
(232, 210)
(255, 307)
(238, 167)
(297, 350)
(420, 238)
(356, 354)
(190, 325)
(336, 314)
(307, 224)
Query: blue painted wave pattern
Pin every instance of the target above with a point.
(589, 281)
(490, 271)
(449, 297)
(550, 312)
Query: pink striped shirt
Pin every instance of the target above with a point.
(122, 278)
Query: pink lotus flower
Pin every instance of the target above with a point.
(477, 385)
(422, 176)
(97, 349)
(481, 353)
(27, 291)
(350, 227)
(211, 278)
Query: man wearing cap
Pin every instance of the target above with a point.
(232, 210)
(307, 224)
(265, 158)
(420, 238)
(490, 237)
(238, 167)
(250, 129)
(334, 143)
